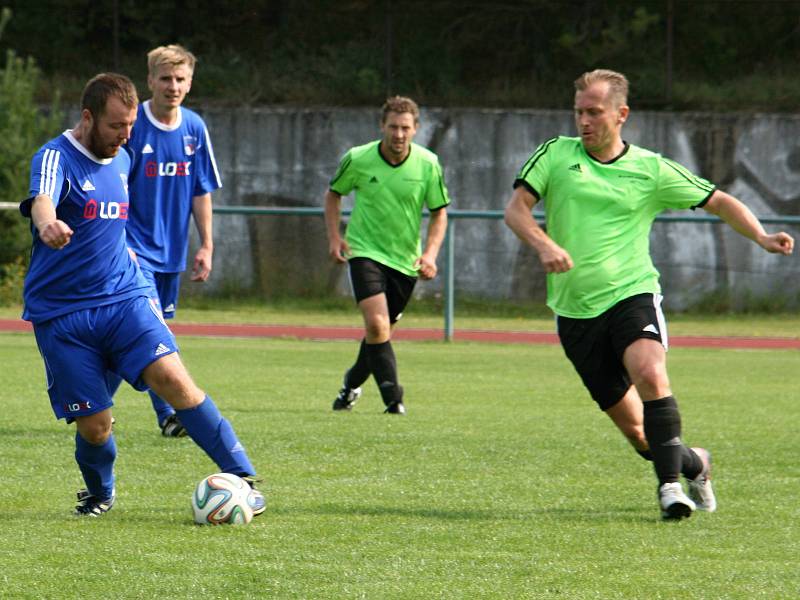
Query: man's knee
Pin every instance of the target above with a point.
(95, 429)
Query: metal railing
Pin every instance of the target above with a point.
(454, 215)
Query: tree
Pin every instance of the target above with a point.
(23, 128)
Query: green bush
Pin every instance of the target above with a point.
(23, 128)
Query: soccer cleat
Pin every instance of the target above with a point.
(172, 427)
(700, 490)
(398, 408)
(92, 506)
(674, 503)
(255, 499)
(347, 398)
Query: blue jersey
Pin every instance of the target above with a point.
(91, 196)
(171, 165)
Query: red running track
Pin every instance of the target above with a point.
(474, 335)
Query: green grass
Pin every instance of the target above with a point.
(503, 481)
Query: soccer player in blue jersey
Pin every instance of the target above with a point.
(89, 302)
(172, 176)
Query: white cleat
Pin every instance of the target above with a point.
(700, 490)
(674, 503)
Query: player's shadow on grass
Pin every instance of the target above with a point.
(630, 514)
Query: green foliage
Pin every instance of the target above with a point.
(449, 52)
(23, 127)
(504, 481)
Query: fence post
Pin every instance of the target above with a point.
(449, 279)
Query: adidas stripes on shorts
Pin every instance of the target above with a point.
(81, 347)
(595, 346)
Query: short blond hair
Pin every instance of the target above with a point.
(173, 55)
(617, 83)
(400, 105)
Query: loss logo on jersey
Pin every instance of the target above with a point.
(168, 169)
(105, 210)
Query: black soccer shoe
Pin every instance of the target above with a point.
(172, 427)
(346, 398)
(92, 506)
(398, 408)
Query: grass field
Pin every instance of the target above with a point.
(502, 482)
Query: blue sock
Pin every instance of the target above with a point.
(214, 434)
(97, 465)
(163, 410)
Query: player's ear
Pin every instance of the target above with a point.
(87, 119)
(622, 116)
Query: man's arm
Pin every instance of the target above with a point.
(53, 232)
(437, 228)
(519, 219)
(337, 246)
(203, 217)
(744, 222)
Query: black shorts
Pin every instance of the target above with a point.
(369, 278)
(595, 346)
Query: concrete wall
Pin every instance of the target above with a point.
(285, 157)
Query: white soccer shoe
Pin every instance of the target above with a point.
(700, 490)
(674, 503)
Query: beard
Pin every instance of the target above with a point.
(99, 147)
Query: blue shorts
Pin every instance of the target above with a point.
(81, 347)
(164, 290)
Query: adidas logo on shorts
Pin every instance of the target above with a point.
(162, 349)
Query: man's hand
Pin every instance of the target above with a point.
(55, 234)
(339, 250)
(777, 243)
(202, 265)
(555, 259)
(426, 266)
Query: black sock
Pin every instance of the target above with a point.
(645, 454)
(383, 365)
(692, 464)
(662, 428)
(359, 372)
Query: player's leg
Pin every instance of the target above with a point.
(95, 453)
(627, 415)
(164, 292)
(379, 351)
(354, 378)
(202, 420)
(381, 313)
(145, 354)
(641, 329)
(76, 383)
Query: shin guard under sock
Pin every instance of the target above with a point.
(662, 428)
(214, 434)
(359, 372)
(97, 465)
(383, 365)
(691, 464)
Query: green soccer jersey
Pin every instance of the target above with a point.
(387, 212)
(601, 213)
